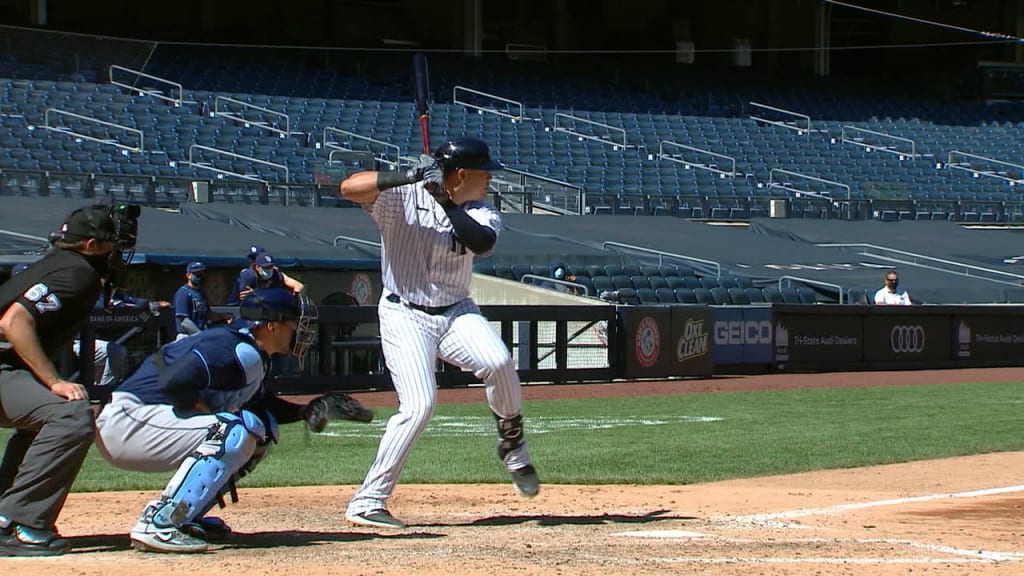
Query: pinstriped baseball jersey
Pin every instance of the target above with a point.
(422, 261)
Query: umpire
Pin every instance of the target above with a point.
(40, 312)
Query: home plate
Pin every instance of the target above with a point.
(680, 534)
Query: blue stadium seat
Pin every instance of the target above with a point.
(686, 295)
(720, 295)
(666, 295)
(703, 296)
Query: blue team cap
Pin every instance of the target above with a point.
(194, 267)
(270, 305)
(255, 251)
(19, 269)
(264, 260)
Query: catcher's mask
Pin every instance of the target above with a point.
(278, 305)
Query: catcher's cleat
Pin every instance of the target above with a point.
(210, 528)
(524, 475)
(149, 536)
(168, 540)
(379, 518)
(18, 540)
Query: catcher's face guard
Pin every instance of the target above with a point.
(305, 328)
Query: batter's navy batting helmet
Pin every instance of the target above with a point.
(465, 152)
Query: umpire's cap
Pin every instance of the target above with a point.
(270, 305)
(94, 221)
(465, 152)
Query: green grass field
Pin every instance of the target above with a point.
(656, 440)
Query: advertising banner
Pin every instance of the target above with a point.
(988, 338)
(908, 337)
(646, 342)
(742, 335)
(822, 341)
(690, 352)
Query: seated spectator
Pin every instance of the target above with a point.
(558, 271)
(890, 294)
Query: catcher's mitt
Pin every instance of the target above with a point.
(334, 406)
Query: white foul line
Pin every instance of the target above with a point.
(802, 512)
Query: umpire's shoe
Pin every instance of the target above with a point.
(18, 540)
(524, 475)
(150, 534)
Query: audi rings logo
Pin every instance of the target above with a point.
(907, 339)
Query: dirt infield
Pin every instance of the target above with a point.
(948, 517)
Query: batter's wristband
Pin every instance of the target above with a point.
(387, 180)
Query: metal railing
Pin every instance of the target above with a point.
(192, 161)
(932, 263)
(966, 166)
(512, 104)
(55, 112)
(549, 193)
(257, 123)
(663, 155)
(786, 186)
(606, 140)
(792, 125)
(359, 241)
(392, 159)
(529, 279)
(785, 281)
(846, 140)
(709, 264)
(148, 91)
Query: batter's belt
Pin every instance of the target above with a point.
(432, 310)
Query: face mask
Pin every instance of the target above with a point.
(559, 273)
(196, 280)
(265, 273)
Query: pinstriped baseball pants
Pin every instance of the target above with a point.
(412, 341)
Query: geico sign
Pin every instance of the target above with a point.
(733, 332)
(907, 339)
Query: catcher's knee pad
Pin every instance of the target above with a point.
(202, 477)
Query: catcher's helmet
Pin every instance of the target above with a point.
(465, 152)
(278, 304)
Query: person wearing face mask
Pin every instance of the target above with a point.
(41, 310)
(558, 271)
(891, 294)
(192, 312)
(264, 273)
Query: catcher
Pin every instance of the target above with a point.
(198, 405)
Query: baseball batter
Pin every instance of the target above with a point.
(433, 220)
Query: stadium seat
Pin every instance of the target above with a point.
(773, 295)
(685, 296)
(602, 284)
(675, 282)
(790, 295)
(646, 296)
(755, 295)
(806, 295)
(640, 282)
(709, 282)
(666, 295)
(703, 296)
(657, 282)
(738, 296)
(628, 296)
(720, 295)
(692, 282)
(622, 281)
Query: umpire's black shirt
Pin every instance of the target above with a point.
(59, 291)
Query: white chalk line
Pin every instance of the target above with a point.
(778, 560)
(772, 520)
(804, 512)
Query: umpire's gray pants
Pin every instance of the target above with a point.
(63, 431)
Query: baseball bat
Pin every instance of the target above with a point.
(421, 84)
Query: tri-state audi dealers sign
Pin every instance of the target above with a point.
(907, 337)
